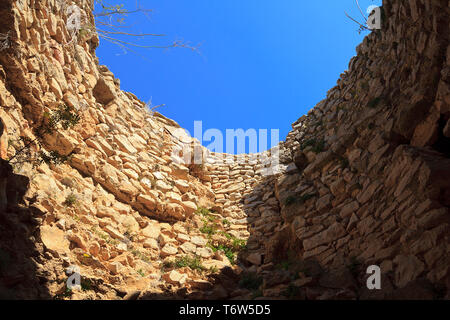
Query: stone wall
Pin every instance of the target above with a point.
(373, 179)
(363, 179)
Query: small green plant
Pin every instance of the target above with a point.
(239, 244)
(213, 269)
(226, 235)
(209, 229)
(63, 118)
(105, 236)
(228, 251)
(206, 213)
(53, 157)
(86, 284)
(86, 31)
(141, 273)
(225, 222)
(67, 293)
(194, 263)
(166, 265)
(140, 255)
(250, 281)
(71, 200)
(202, 211)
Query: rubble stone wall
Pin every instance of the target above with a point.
(365, 175)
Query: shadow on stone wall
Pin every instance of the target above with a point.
(285, 273)
(20, 276)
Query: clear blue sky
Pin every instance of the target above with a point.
(262, 64)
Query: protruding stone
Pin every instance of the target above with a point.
(175, 277)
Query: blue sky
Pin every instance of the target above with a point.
(262, 64)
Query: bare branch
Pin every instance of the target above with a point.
(361, 25)
(173, 45)
(111, 27)
(130, 34)
(360, 10)
(120, 12)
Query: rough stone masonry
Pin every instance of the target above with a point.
(366, 178)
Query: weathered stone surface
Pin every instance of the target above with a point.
(255, 258)
(334, 232)
(204, 252)
(115, 267)
(104, 91)
(153, 231)
(189, 207)
(147, 200)
(338, 279)
(168, 250)
(408, 268)
(188, 247)
(370, 184)
(114, 233)
(54, 239)
(175, 277)
(199, 241)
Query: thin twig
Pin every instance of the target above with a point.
(133, 44)
(111, 27)
(363, 27)
(360, 10)
(124, 12)
(131, 34)
(22, 149)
